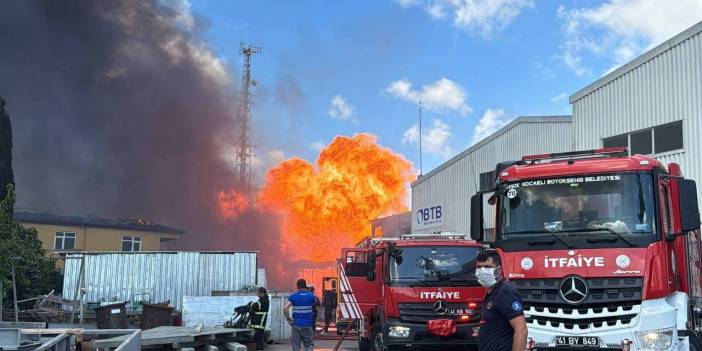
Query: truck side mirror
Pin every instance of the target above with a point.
(689, 208)
(370, 263)
(476, 217)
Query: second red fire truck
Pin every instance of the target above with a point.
(419, 289)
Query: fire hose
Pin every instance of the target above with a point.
(343, 336)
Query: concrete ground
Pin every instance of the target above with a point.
(318, 345)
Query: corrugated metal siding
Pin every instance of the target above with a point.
(164, 275)
(453, 186)
(665, 89)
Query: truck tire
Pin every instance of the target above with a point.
(364, 344)
(695, 344)
(694, 340)
(379, 343)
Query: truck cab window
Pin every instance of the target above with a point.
(356, 264)
(579, 207)
(440, 264)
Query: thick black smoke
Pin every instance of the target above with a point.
(121, 110)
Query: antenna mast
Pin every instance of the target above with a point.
(244, 153)
(421, 172)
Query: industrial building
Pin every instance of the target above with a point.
(441, 198)
(653, 105)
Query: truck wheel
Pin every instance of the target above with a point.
(364, 344)
(695, 344)
(693, 339)
(379, 343)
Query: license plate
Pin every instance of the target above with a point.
(577, 341)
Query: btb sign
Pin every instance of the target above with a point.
(428, 217)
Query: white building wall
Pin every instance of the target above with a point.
(662, 86)
(452, 184)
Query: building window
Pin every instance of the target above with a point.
(656, 140)
(641, 143)
(131, 243)
(65, 241)
(669, 137)
(487, 180)
(619, 140)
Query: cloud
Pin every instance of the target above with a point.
(408, 3)
(492, 121)
(621, 29)
(340, 109)
(317, 146)
(482, 17)
(440, 96)
(560, 97)
(436, 139)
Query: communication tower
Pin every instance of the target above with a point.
(244, 154)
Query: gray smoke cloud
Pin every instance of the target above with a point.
(120, 109)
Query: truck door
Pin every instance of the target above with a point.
(359, 296)
(689, 244)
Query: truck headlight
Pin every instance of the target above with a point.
(660, 339)
(399, 332)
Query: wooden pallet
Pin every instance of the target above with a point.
(179, 337)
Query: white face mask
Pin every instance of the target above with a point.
(486, 276)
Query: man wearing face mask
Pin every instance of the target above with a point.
(502, 326)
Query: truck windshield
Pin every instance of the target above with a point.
(435, 265)
(618, 207)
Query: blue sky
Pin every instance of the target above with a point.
(342, 67)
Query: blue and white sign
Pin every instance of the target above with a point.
(429, 217)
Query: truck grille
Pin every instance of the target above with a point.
(610, 303)
(424, 312)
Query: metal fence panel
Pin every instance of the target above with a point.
(158, 276)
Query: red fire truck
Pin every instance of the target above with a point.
(419, 289)
(603, 247)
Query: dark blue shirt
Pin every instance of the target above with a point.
(501, 305)
(303, 304)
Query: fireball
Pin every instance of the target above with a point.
(330, 205)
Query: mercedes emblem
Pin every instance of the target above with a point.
(440, 307)
(573, 290)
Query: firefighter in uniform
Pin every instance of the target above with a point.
(259, 316)
(502, 326)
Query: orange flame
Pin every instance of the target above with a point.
(231, 203)
(330, 207)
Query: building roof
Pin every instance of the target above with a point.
(645, 57)
(94, 222)
(493, 136)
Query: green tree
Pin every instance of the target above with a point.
(6, 175)
(34, 271)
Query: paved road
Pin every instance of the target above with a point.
(318, 345)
